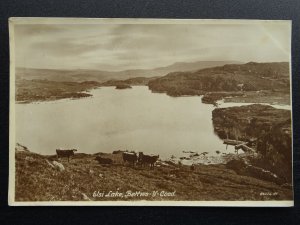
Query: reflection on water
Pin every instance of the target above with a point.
(133, 119)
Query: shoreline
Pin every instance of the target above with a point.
(75, 96)
(199, 157)
(241, 165)
(285, 101)
(188, 159)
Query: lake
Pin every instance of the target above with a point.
(133, 119)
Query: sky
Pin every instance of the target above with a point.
(116, 47)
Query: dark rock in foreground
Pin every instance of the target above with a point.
(268, 126)
(243, 168)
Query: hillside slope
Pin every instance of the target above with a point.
(38, 178)
(228, 78)
(45, 90)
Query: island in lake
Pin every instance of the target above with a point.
(123, 86)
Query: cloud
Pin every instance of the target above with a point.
(61, 48)
(137, 46)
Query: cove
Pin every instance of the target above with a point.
(133, 119)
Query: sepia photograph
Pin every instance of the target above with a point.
(150, 112)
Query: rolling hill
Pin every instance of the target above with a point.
(102, 76)
(229, 78)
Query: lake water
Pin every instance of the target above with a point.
(133, 119)
(222, 104)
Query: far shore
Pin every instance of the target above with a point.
(80, 90)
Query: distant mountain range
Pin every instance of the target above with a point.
(102, 76)
(213, 82)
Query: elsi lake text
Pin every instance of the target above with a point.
(132, 194)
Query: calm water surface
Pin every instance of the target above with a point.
(133, 119)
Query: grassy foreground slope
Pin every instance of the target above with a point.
(37, 179)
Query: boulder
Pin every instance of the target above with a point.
(58, 166)
(236, 165)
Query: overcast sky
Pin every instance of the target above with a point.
(136, 46)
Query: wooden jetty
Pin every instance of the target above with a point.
(245, 148)
(233, 142)
(239, 145)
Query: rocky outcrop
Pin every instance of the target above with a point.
(243, 168)
(266, 129)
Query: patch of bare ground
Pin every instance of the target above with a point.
(38, 178)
